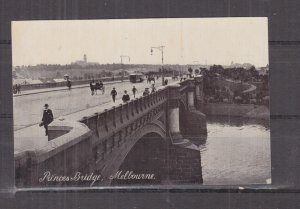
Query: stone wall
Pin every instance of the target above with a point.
(99, 143)
(62, 156)
(240, 110)
(116, 130)
(184, 165)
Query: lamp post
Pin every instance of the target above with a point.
(161, 49)
(124, 56)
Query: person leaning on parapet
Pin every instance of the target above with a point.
(113, 94)
(146, 92)
(125, 97)
(47, 118)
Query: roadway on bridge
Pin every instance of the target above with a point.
(28, 109)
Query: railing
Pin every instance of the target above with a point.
(125, 116)
(81, 144)
(64, 83)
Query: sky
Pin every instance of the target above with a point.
(186, 41)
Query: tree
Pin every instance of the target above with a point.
(190, 70)
(58, 75)
(197, 71)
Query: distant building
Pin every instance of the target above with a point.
(84, 62)
(85, 58)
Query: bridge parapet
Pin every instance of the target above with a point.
(127, 116)
(103, 139)
(68, 151)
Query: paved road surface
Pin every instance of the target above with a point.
(28, 109)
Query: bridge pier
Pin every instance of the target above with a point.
(173, 112)
(193, 120)
(100, 142)
(191, 99)
(199, 92)
(184, 161)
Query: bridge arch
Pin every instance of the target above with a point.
(150, 136)
(147, 157)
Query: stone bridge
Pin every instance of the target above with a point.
(144, 135)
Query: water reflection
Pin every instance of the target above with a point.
(235, 151)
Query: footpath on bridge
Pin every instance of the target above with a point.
(33, 137)
(61, 88)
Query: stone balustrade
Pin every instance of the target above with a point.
(99, 142)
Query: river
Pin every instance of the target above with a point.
(236, 151)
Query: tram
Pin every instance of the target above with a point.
(136, 77)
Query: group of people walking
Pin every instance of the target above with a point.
(126, 97)
(48, 115)
(17, 89)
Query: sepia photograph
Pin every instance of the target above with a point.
(139, 102)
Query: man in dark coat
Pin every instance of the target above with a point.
(92, 87)
(146, 92)
(125, 97)
(113, 94)
(47, 118)
(134, 90)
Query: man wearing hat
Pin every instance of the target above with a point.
(113, 94)
(146, 92)
(47, 118)
(125, 97)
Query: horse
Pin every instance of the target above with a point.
(149, 79)
(99, 87)
(175, 78)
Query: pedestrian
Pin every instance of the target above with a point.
(97, 86)
(153, 89)
(125, 97)
(101, 84)
(113, 94)
(92, 88)
(19, 89)
(166, 81)
(69, 84)
(146, 92)
(47, 118)
(15, 89)
(101, 87)
(134, 90)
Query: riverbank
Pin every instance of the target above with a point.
(239, 110)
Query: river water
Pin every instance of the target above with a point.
(236, 151)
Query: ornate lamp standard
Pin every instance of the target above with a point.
(161, 49)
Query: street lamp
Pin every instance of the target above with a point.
(161, 49)
(124, 56)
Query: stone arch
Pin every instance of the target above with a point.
(147, 157)
(148, 131)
